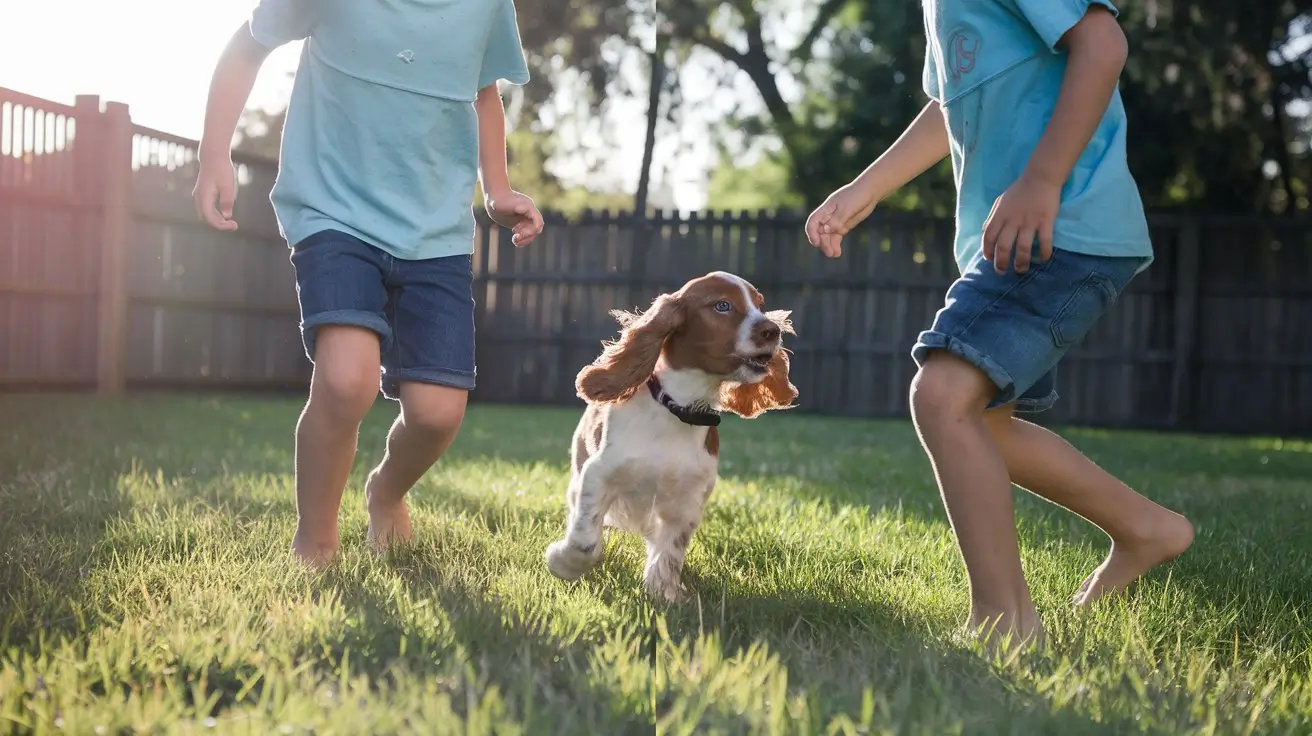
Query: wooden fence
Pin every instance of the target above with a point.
(108, 281)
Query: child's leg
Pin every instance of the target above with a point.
(429, 421)
(429, 367)
(948, 398)
(344, 386)
(1143, 533)
(995, 338)
(339, 282)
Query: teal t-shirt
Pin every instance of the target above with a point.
(996, 69)
(381, 136)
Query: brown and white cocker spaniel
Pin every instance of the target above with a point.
(646, 451)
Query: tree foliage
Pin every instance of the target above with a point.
(1217, 93)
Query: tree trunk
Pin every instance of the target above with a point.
(657, 83)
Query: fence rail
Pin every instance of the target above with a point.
(108, 282)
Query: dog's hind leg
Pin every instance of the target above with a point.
(580, 551)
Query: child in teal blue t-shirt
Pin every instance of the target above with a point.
(394, 117)
(1024, 99)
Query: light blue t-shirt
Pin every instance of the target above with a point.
(995, 68)
(381, 137)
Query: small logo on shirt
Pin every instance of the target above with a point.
(963, 47)
(406, 56)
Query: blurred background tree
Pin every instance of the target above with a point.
(1218, 95)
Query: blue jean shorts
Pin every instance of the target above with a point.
(1017, 327)
(422, 310)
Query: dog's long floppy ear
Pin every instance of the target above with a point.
(626, 364)
(775, 391)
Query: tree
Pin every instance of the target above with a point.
(710, 24)
(857, 65)
(577, 50)
(1217, 93)
(655, 86)
(1211, 90)
(771, 186)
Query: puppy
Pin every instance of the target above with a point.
(646, 451)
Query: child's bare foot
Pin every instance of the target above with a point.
(1167, 538)
(315, 552)
(389, 521)
(1006, 629)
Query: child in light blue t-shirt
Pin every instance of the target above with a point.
(1024, 100)
(394, 118)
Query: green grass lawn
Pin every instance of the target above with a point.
(145, 585)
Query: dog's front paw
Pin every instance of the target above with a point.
(670, 590)
(568, 562)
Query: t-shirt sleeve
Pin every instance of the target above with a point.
(1051, 19)
(929, 76)
(503, 57)
(929, 79)
(278, 22)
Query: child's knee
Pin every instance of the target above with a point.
(947, 388)
(344, 391)
(346, 373)
(431, 408)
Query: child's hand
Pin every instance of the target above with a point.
(842, 211)
(1026, 210)
(518, 213)
(217, 181)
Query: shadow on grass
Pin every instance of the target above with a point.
(1245, 496)
(1252, 557)
(540, 671)
(833, 644)
(537, 671)
(58, 496)
(836, 646)
(63, 465)
(63, 459)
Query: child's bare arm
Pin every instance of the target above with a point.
(1096, 52)
(504, 205)
(923, 144)
(492, 167)
(230, 87)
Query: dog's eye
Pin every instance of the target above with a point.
(723, 306)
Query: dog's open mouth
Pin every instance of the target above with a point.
(759, 362)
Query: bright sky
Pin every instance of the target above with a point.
(143, 53)
(140, 52)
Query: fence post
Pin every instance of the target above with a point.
(1184, 374)
(115, 146)
(640, 243)
(485, 234)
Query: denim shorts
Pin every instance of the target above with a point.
(422, 310)
(1016, 327)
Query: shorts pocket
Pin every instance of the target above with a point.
(1082, 310)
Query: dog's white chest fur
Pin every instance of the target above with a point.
(661, 470)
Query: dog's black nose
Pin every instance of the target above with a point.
(766, 332)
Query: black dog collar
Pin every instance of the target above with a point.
(697, 417)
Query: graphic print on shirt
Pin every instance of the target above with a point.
(961, 51)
